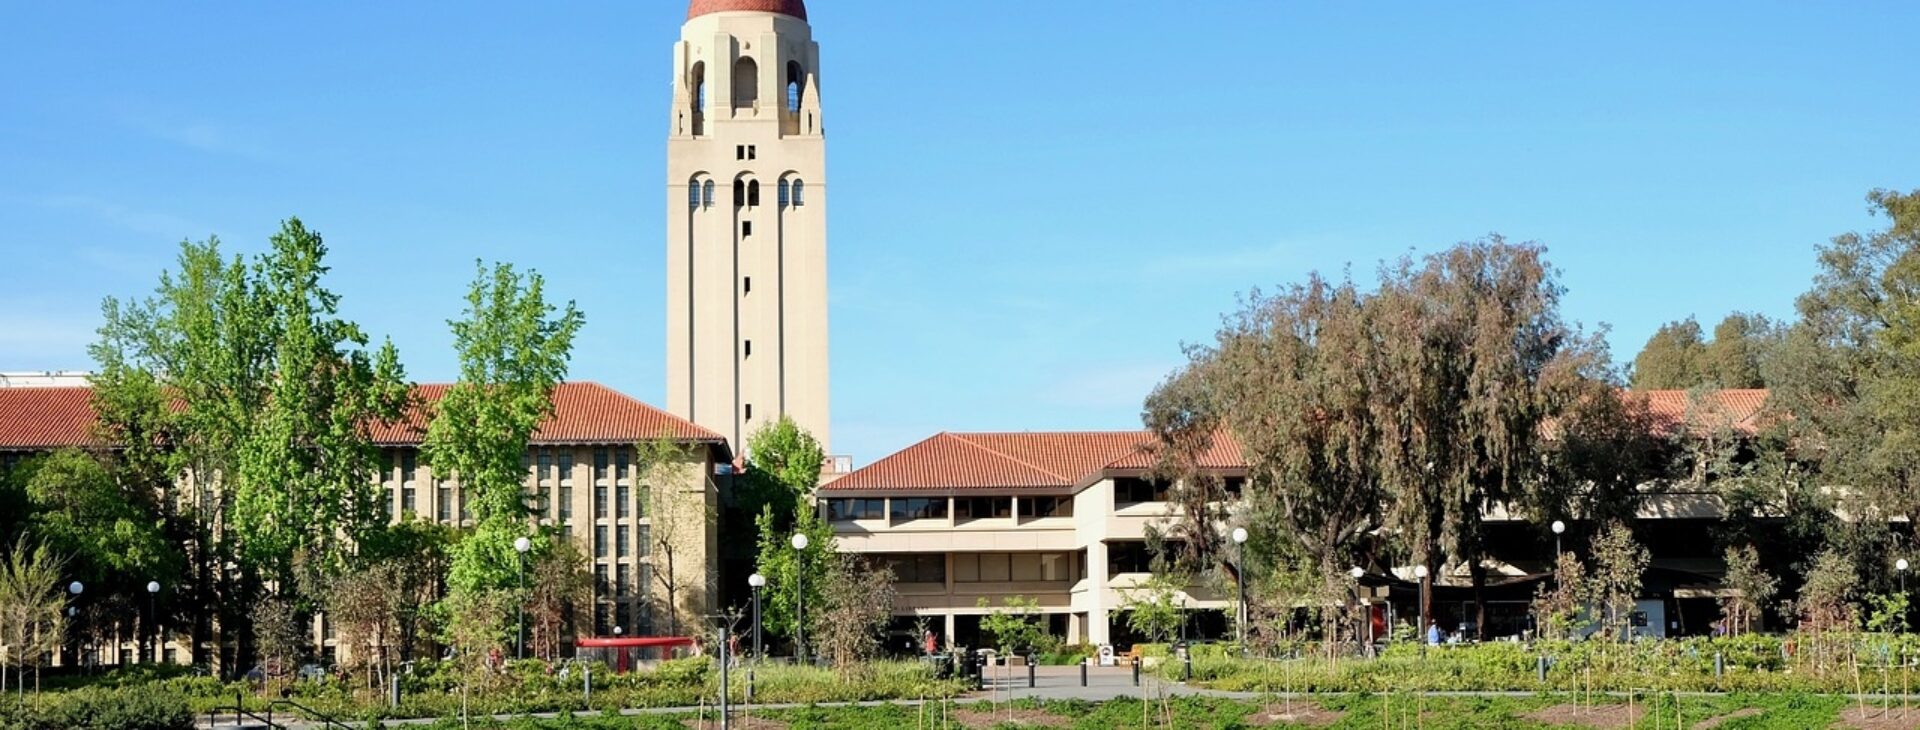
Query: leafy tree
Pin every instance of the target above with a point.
(1844, 376)
(476, 627)
(1557, 605)
(1826, 599)
(513, 349)
(1154, 609)
(1742, 344)
(1674, 358)
(1619, 563)
(1752, 589)
(32, 624)
(559, 597)
(856, 604)
(783, 468)
(111, 540)
(243, 375)
(282, 639)
(1013, 625)
(792, 575)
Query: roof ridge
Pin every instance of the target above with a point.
(1007, 456)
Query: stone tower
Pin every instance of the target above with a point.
(746, 221)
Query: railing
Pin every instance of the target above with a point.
(239, 711)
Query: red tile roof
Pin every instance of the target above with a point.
(37, 419)
(795, 8)
(42, 419)
(1739, 410)
(972, 461)
(975, 461)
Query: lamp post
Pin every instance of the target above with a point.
(74, 590)
(1900, 566)
(520, 547)
(153, 618)
(757, 581)
(1240, 580)
(1558, 528)
(1420, 572)
(1364, 630)
(800, 596)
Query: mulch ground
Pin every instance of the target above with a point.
(1302, 713)
(1712, 723)
(977, 719)
(1597, 716)
(1878, 718)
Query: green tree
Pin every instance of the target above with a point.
(1752, 588)
(32, 624)
(1557, 605)
(241, 374)
(783, 470)
(1674, 358)
(110, 540)
(513, 348)
(1846, 374)
(1742, 344)
(1012, 626)
(1154, 609)
(1619, 563)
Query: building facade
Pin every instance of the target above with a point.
(746, 221)
(585, 482)
(1063, 519)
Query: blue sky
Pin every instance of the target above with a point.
(1035, 203)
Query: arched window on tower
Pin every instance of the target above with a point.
(746, 82)
(799, 193)
(693, 194)
(753, 193)
(739, 193)
(783, 193)
(796, 82)
(698, 82)
(706, 193)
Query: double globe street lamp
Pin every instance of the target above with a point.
(757, 581)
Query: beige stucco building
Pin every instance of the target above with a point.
(1060, 518)
(746, 221)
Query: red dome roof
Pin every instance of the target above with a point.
(795, 8)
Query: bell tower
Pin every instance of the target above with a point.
(746, 221)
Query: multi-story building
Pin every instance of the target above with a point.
(1062, 518)
(746, 220)
(1059, 518)
(584, 480)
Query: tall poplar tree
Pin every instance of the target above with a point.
(513, 349)
(242, 375)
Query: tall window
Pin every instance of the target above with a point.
(545, 472)
(646, 539)
(746, 82)
(599, 463)
(599, 541)
(600, 501)
(444, 508)
(706, 193)
(622, 502)
(783, 193)
(799, 193)
(795, 81)
(408, 464)
(620, 459)
(753, 193)
(693, 194)
(621, 538)
(566, 467)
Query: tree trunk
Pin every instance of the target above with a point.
(1479, 573)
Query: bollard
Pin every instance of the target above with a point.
(586, 683)
(980, 673)
(1541, 664)
(393, 690)
(1136, 671)
(1083, 670)
(1719, 665)
(1187, 670)
(1030, 672)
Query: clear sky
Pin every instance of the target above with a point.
(1035, 202)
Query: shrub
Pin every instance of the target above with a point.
(102, 708)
